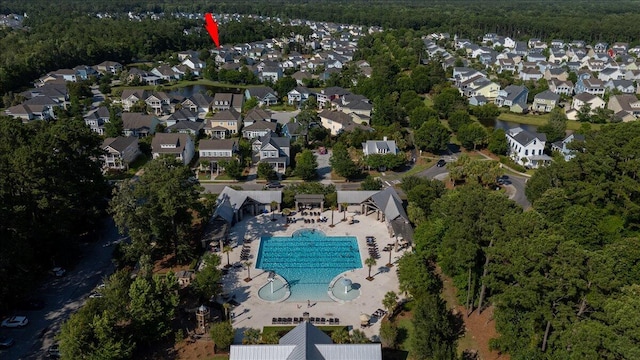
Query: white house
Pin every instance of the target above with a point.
(527, 148)
(379, 147)
(561, 146)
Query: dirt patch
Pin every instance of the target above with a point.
(479, 328)
(200, 349)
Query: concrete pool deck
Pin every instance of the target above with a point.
(253, 312)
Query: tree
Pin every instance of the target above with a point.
(434, 334)
(249, 104)
(340, 336)
(486, 113)
(342, 163)
(432, 136)
(388, 335)
(556, 127)
(498, 142)
(158, 209)
(283, 85)
(232, 167)
(390, 302)
(306, 165)
(471, 135)
(227, 249)
(370, 262)
(266, 171)
(370, 183)
(274, 206)
(447, 101)
(359, 337)
(247, 264)
(152, 306)
(421, 115)
(459, 118)
(205, 283)
(222, 334)
(385, 161)
(251, 336)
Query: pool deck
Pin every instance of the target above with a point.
(254, 312)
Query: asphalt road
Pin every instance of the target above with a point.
(63, 296)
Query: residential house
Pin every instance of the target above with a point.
(530, 74)
(337, 122)
(298, 95)
(138, 124)
(258, 129)
(130, 97)
(561, 146)
(610, 74)
(225, 101)
(216, 150)
(66, 74)
(478, 100)
(159, 102)
(513, 96)
(600, 47)
(623, 86)
(294, 131)
(36, 108)
(193, 128)
(184, 114)
(257, 114)
(626, 104)
(545, 101)
(84, 72)
(355, 104)
(188, 54)
(385, 146)
(561, 87)
(580, 100)
(272, 149)
(590, 85)
(506, 65)
(195, 65)
(166, 73)
(527, 148)
(96, 119)
(119, 152)
(198, 103)
(325, 96)
(223, 123)
(271, 73)
(556, 73)
(112, 67)
(178, 145)
(266, 96)
(301, 76)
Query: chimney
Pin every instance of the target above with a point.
(384, 138)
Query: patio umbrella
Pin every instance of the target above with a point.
(364, 318)
(347, 284)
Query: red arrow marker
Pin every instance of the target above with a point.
(212, 28)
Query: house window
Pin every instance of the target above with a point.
(534, 142)
(526, 152)
(540, 152)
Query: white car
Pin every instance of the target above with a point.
(15, 322)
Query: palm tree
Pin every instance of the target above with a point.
(226, 307)
(340, 336)
(273, 204)
(390, 302)
(248, 264)
(227, 249)
(389, 264)
(370, 262)
(333, 208)
(344, 210)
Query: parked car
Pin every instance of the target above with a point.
(58, 271)
(54, 351)
(94, 295)
(441, 163)
(15, 322)
(273, 185)
(6, 342)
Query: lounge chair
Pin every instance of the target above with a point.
(337, 321)
(274, 321)
(289, 320)
(323, 320)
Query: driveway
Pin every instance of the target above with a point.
(284, 117)
(63, 296)
(324, 169)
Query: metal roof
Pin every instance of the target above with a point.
(351, 351)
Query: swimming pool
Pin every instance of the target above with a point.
(308, 260)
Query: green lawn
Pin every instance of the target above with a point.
(282, 107)
(539, 120)
(281, 330)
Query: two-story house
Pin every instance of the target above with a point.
(371, 147)
(223, 123)
(138, 124)
(272, 149)
(96, 119)
(624, 105)
(130, 97)
(226, 101)
(561, 146)
(214, 151)
(258, 129)
(590, 85)
(561, 87)
(527, 148)
(337, 122)
(257, 114)
(545, 101)
(298, 95)
(119, 152)
(266, 96)
(178, 145)
(513, 96)
(198, 103)
(111, 67)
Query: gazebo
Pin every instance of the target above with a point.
(310, 199)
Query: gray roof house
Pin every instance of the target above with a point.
(96, 119)
(119, 152)
(138, 124)
(257, 114)
(513, 96)
(561, 146)
(265, 95)
(179, 145)
(383, 146)
(545, 101)
(273, 150)
(306, 342)
(259, 128)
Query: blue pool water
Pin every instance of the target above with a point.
(308, 260)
